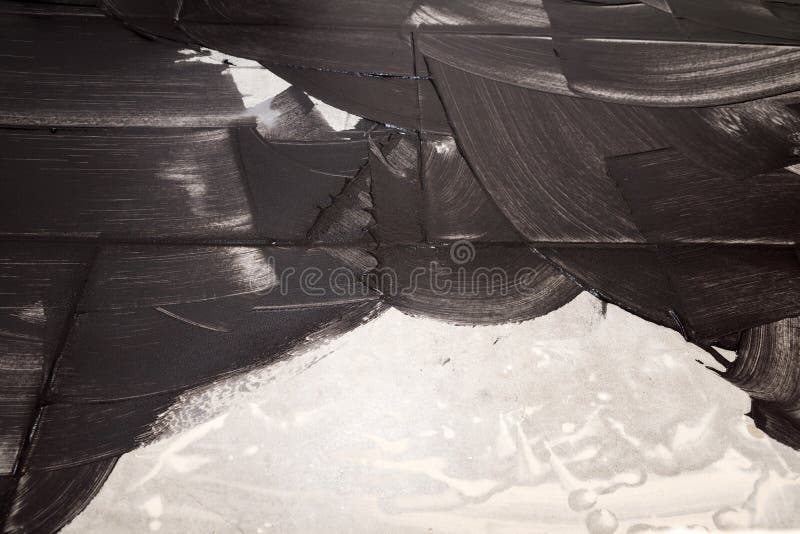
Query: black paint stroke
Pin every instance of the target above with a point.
(632, 149)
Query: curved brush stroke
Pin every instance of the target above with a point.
(738, 140)
(747, 16)
(527, 61)
(677, 74)
(767, 369)
(475, 293)
(189, 321)
(540, 155)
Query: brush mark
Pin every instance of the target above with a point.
(59, 3)
(299, 13)
(629, 20)
(47, 501)
(676, 74)
(738, 140)
(740, 21)
(223, 314)
(662, 5)
(22, 365)
(306, 306)
(631, 278)
(188, 321)
(540, 155)
(672, 200)
(118, 355)
(484, 290)
(71, 435)
(37, 286)
(526, 61)
(22, 7)
(746, 16)
(348, 219)
(149, 17)
(294, 179)
(506, 15)
(57, 276)
(456, 205)
(728, 289)
(385, 100)
(501, 16)
(396, 190)
(119, 183)
(786, 10)
(766, 367)
(200, 403)
(350, 50)
(292, 116)
(147, 276)
(310, 274)
(48, 85)
(334, 158)
(432, 117)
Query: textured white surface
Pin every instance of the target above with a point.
(573, 422)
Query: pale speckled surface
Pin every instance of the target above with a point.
(410, 425)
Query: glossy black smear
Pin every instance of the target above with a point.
(632, 149)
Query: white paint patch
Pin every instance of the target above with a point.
(729, 355)
(153, 506)
(664, 445)
(255, 83)
(258, 87)
(185, 171)
(392, 447)
(172, 458)
(32, 313)
(794, 168)
(255, 268)
(336, 118)
(432, 16)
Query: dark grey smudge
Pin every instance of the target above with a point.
(292, 116)
(523, 60)
(739, 140)
(540, 155)
(673, 200)
(122, 183)
(387, 100)
(360, 51)
(651, 73)
(48, 85)
(499, 284)
(295, 178)
(630, 277)
(767, 369)
(746, 16)
(396, 190)
(44, 497)
(456, 205)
